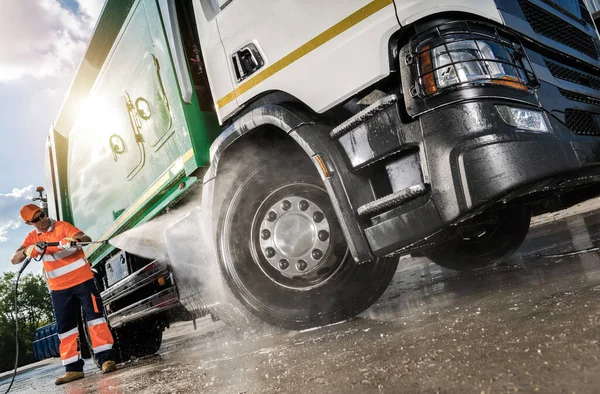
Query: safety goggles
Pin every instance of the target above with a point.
(41, 216)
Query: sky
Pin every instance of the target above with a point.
(41, 45)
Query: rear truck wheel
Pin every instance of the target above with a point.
(120, 346)
(143, 338)
(483, 240)
(282, 251)
(135, 340)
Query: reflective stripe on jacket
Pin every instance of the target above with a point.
(65, 268)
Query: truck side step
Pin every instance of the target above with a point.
(366, 114)
(392, 200)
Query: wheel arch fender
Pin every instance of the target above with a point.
(312, 137)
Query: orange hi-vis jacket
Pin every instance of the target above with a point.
(64, 268)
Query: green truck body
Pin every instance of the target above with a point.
(130, 144)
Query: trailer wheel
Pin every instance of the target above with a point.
(281, 249)
(483, 240)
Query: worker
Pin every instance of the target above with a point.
(72, 289)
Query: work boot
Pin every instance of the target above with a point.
(69, 377)
(109, 366)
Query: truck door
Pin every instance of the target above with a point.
(300, 46)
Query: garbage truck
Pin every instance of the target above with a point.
(319, 141)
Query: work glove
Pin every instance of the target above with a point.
(36, 250)
(67, 243)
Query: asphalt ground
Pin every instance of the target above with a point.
(529, 324)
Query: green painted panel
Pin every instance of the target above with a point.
(131, 129)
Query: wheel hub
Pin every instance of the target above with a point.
(295, 236)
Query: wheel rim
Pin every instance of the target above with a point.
(291, 237)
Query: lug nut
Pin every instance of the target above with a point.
(283, 264)
(301, 265)
(323, 235)
(272, 216)
(270, 252)
(265, 234)
(303, 205)
(285, 205)
(318, 217)
(317, 254)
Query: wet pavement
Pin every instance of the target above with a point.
(529, 325)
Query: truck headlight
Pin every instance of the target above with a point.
(464, 55)
(523, 119)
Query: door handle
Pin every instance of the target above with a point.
(246, 61)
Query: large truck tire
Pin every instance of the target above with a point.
(281, 250)
(143, 338)
(489, 238)
(121, 346)
(134, 340)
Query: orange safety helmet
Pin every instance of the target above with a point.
(29, 211)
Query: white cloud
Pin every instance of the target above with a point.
(10, 205)
(91, 8)
(27, 192)
(4, 230)
(41, 38)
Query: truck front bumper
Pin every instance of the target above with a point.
(471, 159)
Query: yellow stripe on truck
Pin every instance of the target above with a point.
(305, 49)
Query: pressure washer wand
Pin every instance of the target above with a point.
(105, 242)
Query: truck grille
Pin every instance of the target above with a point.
(581, 122)
(572, 75)
(558, 30)
(586, 17)
(580, 97)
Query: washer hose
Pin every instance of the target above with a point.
(25, 263)
(566, 254)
